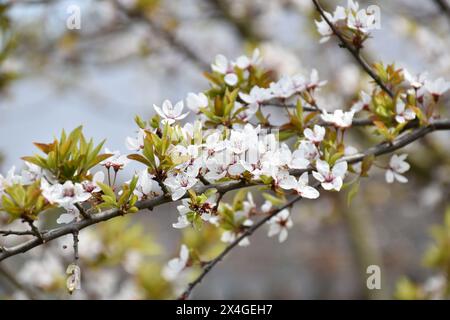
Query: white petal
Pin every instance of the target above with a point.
(389, 176)
(231, 79)
(340, 169)
(283, 235)
(309, 192)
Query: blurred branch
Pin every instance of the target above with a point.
(164, 33)
(208, 266)
(444, 6)
(380, 149)
(354, 52)
(243, 26)
(10, 277)
(16, 233)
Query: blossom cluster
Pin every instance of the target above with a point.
(353, 23)
(189, 161)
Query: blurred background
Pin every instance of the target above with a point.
(130, 54)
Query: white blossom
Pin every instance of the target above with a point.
(223, 66)
(330, 179)
(173, 268)
(117, 161)
(415, 81)
(339, 118)
(179, 183)
(93, 186)
(300, 186)
(136, 144)
(146, 186)
(195, 102)
(66, 196)
(397, 166)
(171, 113)
(280, 224)
(315, 136)
(363, 103)
(402, 114)
(437, 87)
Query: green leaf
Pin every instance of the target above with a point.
(107, 190)
(274, 200)
(352, 192)
(366, 165)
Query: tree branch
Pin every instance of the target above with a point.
(6, 233)
(354, 52)
(380, 149)
(208, 267)
(377, 150)
(164, 33)
(444, 6)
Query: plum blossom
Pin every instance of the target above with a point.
(243, 62)
(173, 268)
(146, 186)
(10, 179)
(403, 114)
(280, 224)
(92, 186)
(32, 173)
(361, 20)
(179, 183)
(363, 103)
(65, 195)
(338, 118)
(266, 207)
(223, 66)
(314, 81)
(184, 208)
(283, 88)
(397, 166)
(322, 26)
(117, 161)
(300, 186)
(170, 113)
(416, 81)
(437, 87)
(195, 102)
(330, 179)
(315, 136)
(136, 144)
(306, 150)
(257, 96)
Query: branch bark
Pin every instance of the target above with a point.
(353, 51)
(380, 149)
(232, 245)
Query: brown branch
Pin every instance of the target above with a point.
(6, 233)
(380, 149)
(208, 266)
(354, 52)
(167, 35)
(444, 6)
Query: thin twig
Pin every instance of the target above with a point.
(75, 246)
(34, 229)
(164, 33)
(380, 149)
(354, 52)
(248, 232)
(17, 233)
(83, 212)
(444, 6)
